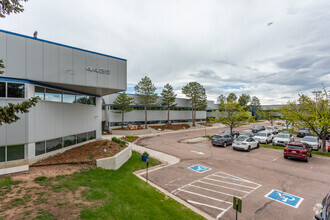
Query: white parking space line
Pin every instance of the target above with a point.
(275, 158)
(202, 192)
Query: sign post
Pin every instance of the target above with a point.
(237, 205)
(147, 171)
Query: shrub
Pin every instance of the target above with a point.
(121, 142)
(145, 153)
(91, 156)
(105, 143)
(40, 179)
(131, 138)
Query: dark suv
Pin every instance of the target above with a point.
(298, 150)
(222, 140)
(303, 133)
(256, 129)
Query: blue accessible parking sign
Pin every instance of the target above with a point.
(287, 199)
(199, 168)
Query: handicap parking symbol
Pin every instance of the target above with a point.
(287, 199)
(199, 168)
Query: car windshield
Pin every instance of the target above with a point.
(261, 134)
(227, 132)
(303, 131)
(283, 136)
(295, 147)
(257, 127)
(269, 127)
(310, 139)
(217, 136)
(247, 133)
(241, 138)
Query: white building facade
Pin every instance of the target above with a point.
(155, 115)
(69, 83)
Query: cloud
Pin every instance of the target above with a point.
(224, 45)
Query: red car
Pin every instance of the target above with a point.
(298, 150)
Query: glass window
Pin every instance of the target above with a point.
(54, 144)
(40, 148)
(53, 95)
(2, 89)
(81, 137)
(70, 140)
(39, 92)
(15, 152)
(91, 135)
(90, 100)
(15, 90)
(2, 154)
(69, 97)
(82, 99)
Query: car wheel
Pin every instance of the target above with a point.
(249, 148)
(225, 144)
(285, 157)
(213, 144)
(258, 145)
(306, 159)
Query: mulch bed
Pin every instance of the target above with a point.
(171, 127)
(87, 153)
(206, 124)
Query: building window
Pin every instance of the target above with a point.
(40, 148)
(70, 140)
(39, 92)
(15, 90)
(15, 152)
(2, 89)
(53, 95)
(82, 99)
(54, 144)
(91, 100)
(81, 137)
(69, 97)
(2, 154)
(91, 135)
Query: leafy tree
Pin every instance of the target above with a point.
(221, 100)
(287, 115)
(8, 114)
(244, 100)
(233, 114)
(196, 94)
(232, 96)
(269, 114)
(146, 92)
(168, 99)
(10, 6)
(123, 101)
(256, 106)
(314, 115)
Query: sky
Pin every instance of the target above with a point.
(274, 49)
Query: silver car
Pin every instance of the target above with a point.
(245, 143)
(312, 141)
(283, 139)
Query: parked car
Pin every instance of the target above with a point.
(325, 211)
(271, 128)
(234, 133)
(247, 134)
(256, 129)
(287, 127)
(303, 133)
(245, 143)
(312, 141)
(327, 136)
(283, 139)
(298, 150)
(264, 137)
(222, 140)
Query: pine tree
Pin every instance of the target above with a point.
(168, 99)
(145, 90)
(122, 103)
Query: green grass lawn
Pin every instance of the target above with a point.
(281, 148)
(120, 194)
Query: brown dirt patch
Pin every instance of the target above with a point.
(170, 127)
(85, 153)
(207, 124)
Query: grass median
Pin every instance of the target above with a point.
(281, 148)
(102, 194)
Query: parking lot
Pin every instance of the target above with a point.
(246, 175)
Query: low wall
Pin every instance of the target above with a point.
(115, 162)
(130, 132)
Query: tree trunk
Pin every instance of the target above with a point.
(193, 118)
(122, 119)
(168, 116)
(324, 144)
(145, 117)
(231, 130)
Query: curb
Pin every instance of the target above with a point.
(167, 160)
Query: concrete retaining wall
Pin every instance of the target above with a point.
(115, 162)
(130, 132)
